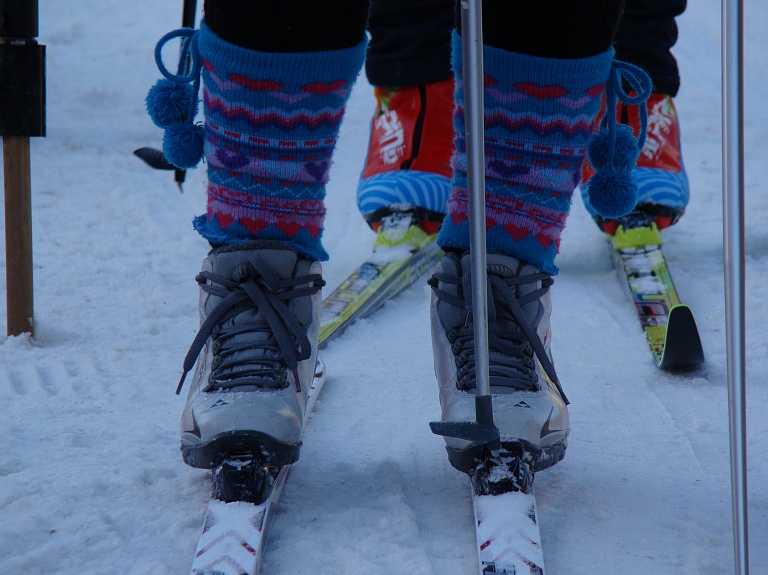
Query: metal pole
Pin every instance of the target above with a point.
(472, 78)
(733, 240)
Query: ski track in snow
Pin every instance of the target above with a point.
(91, 480)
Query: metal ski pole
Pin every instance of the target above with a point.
(733, 240)
(474, 111)
(483, 429)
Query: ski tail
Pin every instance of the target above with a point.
(682, 344)
(668, 324)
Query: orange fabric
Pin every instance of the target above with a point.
(662, 141)
(393, 130)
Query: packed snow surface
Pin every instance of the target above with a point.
(91, 478)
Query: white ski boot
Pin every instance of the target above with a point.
(260, 308)
(529, 407)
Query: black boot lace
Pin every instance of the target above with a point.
(512, 352)
(255, 287)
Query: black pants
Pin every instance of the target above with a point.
(410, 39)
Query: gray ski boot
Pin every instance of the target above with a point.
(260, 308)
(529, 407)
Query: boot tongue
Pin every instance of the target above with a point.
(506, 267)
(235, 263)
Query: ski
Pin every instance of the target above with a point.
(668, 324)
(508, 536)
(235, 532)
(388, 272)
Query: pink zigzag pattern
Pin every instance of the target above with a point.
(287, 122)
(230, 199)
(524, 91)
(519, 219)
(581, 126)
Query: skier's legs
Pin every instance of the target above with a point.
(273, 107)
(408, 164)
(546, 68)
(646, 34)
(276, 78)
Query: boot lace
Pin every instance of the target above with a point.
(512, 352)
(256, 287)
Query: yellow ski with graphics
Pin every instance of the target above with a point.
(402, 254)
(668, 324)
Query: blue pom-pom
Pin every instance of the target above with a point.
(625, 149)
(169, 102)
(612, 193)
(183, 144)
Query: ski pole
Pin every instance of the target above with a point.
(153, 157)
(472, 78)
(734, 254)
(187, 21)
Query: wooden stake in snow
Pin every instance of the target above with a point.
(22, 115)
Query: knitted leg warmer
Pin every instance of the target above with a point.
(272, 120)
(539, 115)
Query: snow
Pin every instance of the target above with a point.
(91, 479)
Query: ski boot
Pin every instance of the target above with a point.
(409, 153)
(260, 308)
(662, 183)
(529, 406)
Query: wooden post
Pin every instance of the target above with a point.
(22, 116)
(18, 236)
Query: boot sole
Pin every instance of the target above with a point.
(537, 458)
(266, 450)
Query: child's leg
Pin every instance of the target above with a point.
(276, 78)
(646, 34)
(273, 110)
(407, 171)
(546, 66)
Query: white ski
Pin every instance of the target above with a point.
(508, 537)
(235, 534)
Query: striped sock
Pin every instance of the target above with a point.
(539, 116)
(271, 122)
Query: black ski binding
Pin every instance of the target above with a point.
(502, 473)
(494, 470)
(242, 478)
